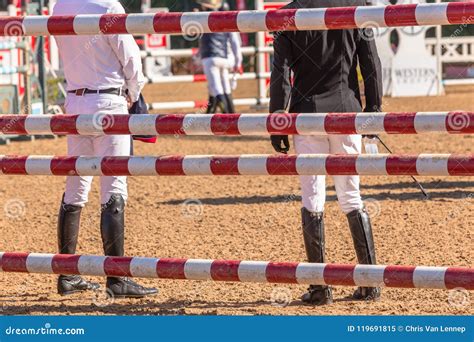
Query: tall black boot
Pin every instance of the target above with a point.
(361, 230)
(68, 232)
(230, 103)
(314, 241)
(222, 104)
(211, 105)
(112, 228)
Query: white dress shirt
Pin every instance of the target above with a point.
(235, 44)
(100, 61)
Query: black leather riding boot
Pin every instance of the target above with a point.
(314, 241)
(222, 104)
(112, 228)
(230, 103)
(68, 231)
(211, 105)
(69, 219)
(361, 230)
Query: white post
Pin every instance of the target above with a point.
(262, 84)
(53, 47)
(146, 5)
(12, 11)
(439, 52)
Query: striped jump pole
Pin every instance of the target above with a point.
(177, 53)
(12, 45)
(160, 106)
(202, 78)
(255, 165)
(239, 124)
(241, 271)
(8, 70)
(244, 21)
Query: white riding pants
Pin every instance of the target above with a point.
(78, 187)
(313, 188)
(217, 74)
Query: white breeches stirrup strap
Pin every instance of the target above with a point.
(78, 187)
(313, 188)
(217, 74)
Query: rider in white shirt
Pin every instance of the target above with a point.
(99, 70)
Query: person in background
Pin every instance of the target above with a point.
(324, 64)
(100, 71)
(217, 60)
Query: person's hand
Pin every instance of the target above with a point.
(372, 109)
(278, 141)
(129, 102)
(239, 69)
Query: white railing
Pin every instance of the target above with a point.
(454, 49)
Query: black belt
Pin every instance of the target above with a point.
(112, 91)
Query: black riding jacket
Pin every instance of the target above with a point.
(324, 66)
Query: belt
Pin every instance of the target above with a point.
(112, 91)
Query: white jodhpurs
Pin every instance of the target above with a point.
(313, 188)
(78, 187)
(217, 74)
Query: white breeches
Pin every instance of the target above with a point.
(313, 188)
(217, 74)
(78, 187)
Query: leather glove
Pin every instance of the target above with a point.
(372, 109)
(278, 140)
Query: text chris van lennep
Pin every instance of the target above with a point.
(406, 329)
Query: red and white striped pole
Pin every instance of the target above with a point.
(246, 51)
(243, 165)
(459, 13)
(239, 124)
(202, 78)
(241, 271)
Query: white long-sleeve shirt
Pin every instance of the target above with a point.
(236, 44)
(100, 61)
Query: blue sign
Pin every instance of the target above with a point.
(236, 329)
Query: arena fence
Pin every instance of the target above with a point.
(241, 165)
(6, 45)
(243, 21)
(246, 51)
(202, 78)
(6, 70)
(240, 124)
(160, 106)
(241, 271)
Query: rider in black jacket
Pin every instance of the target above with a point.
(323, 65)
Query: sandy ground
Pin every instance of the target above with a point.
(253, 218)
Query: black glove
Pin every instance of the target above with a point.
(277, 141)
(372, 109)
